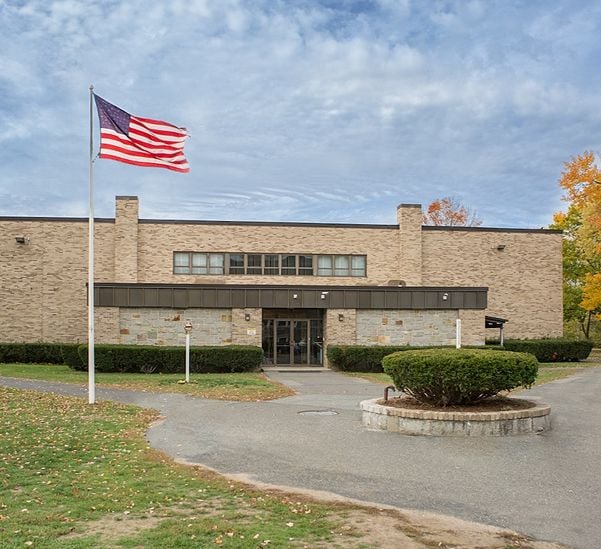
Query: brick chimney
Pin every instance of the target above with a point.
(126, 239)
(410, 220)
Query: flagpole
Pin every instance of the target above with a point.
(91, 365)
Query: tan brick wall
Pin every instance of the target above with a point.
(339, 332)
(157, 242)
(524, 279)
(43, 282)
(247, 332)
(410, 220)
(126, 239)
(106, 325)
(472, 327)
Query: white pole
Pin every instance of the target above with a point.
(187, 357)
(91, 366)
(458, 333)
(501, 336)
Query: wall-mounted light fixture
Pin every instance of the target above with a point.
(324, 294)
(21, 239)
(294, 296)
(247, 317)
(445, 296)
(500, 247)
(340, 317)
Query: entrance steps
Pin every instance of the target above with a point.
(294, 369)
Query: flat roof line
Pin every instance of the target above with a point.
(279, 224)
(489, 229)
(59, 219)
(267, 223)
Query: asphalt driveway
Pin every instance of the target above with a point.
(547, 486)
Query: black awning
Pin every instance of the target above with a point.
(494, 322)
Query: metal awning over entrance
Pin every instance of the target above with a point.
(496, 322)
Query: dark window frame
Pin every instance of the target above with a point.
(271, 270)
(208, 267)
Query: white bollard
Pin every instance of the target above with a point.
(188, 330)
(458, 334)
(187, 358)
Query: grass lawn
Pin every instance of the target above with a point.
(77, 476)
(237, 386)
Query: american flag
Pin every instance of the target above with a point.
(140, 141)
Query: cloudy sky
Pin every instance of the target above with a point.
(303, 110)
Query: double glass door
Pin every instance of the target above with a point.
(293, 342)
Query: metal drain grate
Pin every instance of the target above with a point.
(318, 413)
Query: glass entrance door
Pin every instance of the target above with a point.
(283, 338)
(292, 342)
(300, 332)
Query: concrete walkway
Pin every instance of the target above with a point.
(547, 486)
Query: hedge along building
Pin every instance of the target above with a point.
(292, 288)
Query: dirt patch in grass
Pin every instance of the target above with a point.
(112, 527)
(361, 525)
(353, 527)
(413, 530)
(496, 404)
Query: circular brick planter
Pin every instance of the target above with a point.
(464, 424)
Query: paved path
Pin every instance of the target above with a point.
(547, 486)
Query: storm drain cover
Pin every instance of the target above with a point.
(318, 413)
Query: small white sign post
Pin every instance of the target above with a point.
(458, 333)
(188, 330)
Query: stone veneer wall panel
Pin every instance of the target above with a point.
(406, 327)
(166, 326)
(524, 279)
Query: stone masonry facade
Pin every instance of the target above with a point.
(416, 328)
(43, 280)
(166, 326)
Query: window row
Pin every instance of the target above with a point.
(268, 264)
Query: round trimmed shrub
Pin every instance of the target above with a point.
(445, 377)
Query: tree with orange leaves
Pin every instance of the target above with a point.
(581, 179)
(449, 212)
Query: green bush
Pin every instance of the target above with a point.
(551, 350)
(364, 358)
(31, 353)
(359, 358)
(70, 353)
(149, 359)
(444, 377)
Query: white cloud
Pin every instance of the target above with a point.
(303, 110)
